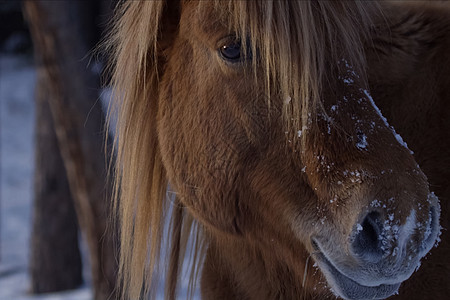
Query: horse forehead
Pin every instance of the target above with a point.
(201, 19)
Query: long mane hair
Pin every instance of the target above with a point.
(295, 41)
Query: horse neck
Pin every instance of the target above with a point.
(235, 268)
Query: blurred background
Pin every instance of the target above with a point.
(55, 241)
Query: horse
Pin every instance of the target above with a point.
(300, 149)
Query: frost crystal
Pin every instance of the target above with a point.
(362, 144)
(375, 203)
(359, 228)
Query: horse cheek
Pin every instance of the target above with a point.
(201, 174)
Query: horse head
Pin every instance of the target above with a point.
(259, 115)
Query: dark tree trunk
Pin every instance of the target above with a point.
(62, 51)
(55, 262)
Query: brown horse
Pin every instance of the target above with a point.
(273, 124)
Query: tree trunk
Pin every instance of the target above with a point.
(57, 30)
(55, 263)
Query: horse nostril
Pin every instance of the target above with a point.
(366, 243)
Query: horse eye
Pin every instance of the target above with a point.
(231, 52)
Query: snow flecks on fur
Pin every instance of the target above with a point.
(432, 218)
(362, 142)
(350, 74)
(377, 203)
(334, 108)
(359, 228)
(354, 176)
(325, 164)
(396, 135)
(394, 236)
(349, 77)
(438, 238)
(393, 233)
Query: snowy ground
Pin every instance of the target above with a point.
(17, 79)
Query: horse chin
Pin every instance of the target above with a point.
(347, 288)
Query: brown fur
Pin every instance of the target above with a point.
(226, 138)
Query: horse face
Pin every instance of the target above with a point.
(349, 194)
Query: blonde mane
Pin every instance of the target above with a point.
(296, 42)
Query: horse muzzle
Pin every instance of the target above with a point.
(382, 253)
